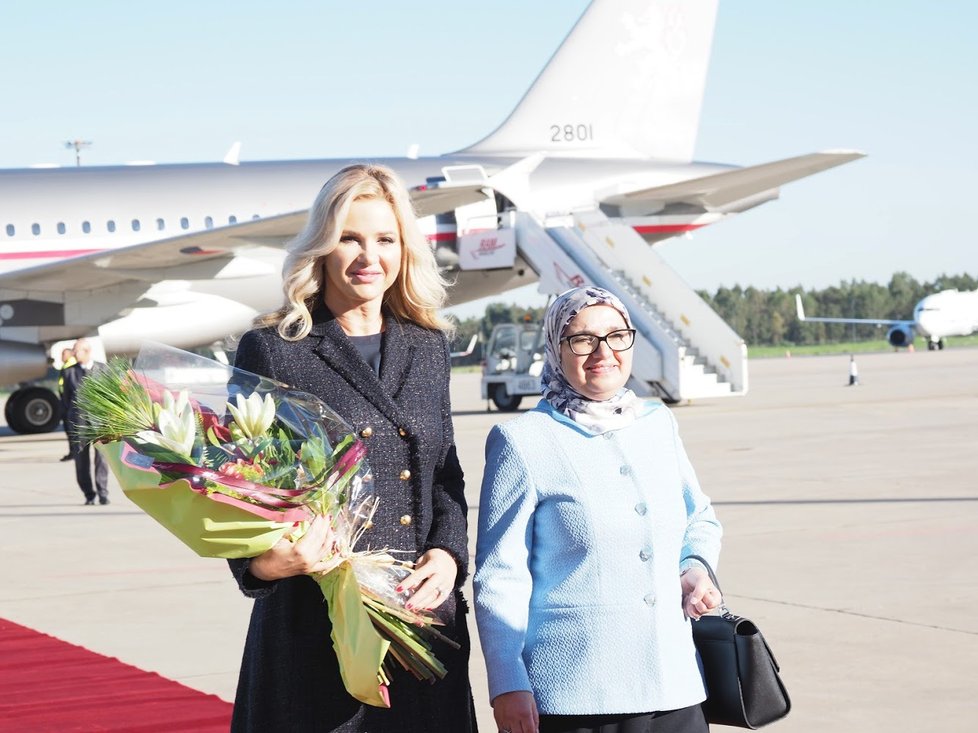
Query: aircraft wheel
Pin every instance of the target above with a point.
(504, 400)
(9, 411)
(940, 344)
(931, 346)
(33, 410)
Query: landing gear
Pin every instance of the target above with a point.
(503, 400)
(939, 344)
(32, 410)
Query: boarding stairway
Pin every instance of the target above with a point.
(683, 349)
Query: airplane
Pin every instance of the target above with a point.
(947, 313)
(186, 254)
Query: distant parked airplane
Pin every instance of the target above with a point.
(947, 313)
(188, 254)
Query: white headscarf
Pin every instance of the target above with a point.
(596, 416)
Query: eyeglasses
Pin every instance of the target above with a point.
(583, 344)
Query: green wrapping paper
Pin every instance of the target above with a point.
(210, 528)
(359, 648)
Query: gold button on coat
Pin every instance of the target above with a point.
(406, 520)
(402, 432)
(405, 475)
(366, 432)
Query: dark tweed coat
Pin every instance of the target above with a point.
(289, 676)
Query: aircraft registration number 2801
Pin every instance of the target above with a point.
(571, 133)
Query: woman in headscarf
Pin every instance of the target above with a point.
(589, 511)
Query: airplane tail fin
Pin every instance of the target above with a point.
(627, 81)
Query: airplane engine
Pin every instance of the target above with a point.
(900, 336)
(21, 362)
(183, 320)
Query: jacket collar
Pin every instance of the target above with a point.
(336, 349)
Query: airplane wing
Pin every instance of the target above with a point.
(729, 191)
(867, 321)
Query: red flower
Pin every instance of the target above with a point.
(213, 428)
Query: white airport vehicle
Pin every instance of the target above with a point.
(188, 254)
(936, 316)
(512, 364)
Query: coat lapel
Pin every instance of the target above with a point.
(396, 357)
(343, 358)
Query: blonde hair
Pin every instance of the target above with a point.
(418, 291)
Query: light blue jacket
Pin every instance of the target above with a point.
(577, 590)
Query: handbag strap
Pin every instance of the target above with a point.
(724, 611)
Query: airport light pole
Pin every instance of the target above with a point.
(77, 145)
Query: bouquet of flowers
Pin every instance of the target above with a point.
(231, 462)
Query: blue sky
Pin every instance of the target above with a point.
(180, 81)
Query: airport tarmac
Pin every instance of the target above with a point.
(851, 533)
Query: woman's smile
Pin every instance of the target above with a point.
(366, 276)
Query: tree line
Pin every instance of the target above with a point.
(768, 317)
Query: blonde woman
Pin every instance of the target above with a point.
(360, 329)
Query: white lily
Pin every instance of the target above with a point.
(253, 416)
(177, 427)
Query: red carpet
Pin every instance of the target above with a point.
(49, 685)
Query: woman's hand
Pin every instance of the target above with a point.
(314, 552)
(699, 594)
(432, 580)
(516, 712)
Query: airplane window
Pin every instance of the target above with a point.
(86, 227)
(35, 229)
(61, 227)
(10, 230)
(160, 224)
(135, 225)
(232, 219)
(184, 223)
(110, 225)
(208, 222)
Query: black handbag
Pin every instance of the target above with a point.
(743, 686)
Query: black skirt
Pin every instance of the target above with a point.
(684, 720)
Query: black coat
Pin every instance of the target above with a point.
(72, 379)
(289, 675)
